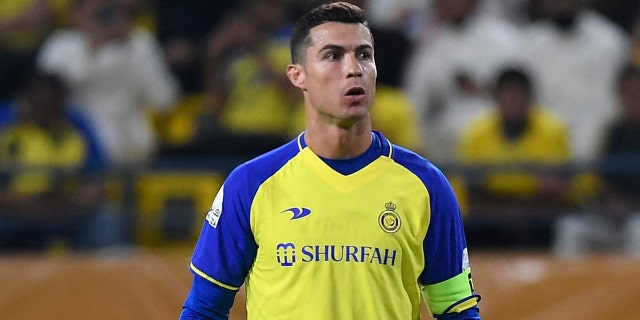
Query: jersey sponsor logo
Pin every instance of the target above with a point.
(286, 254)
(389, 220)
(298, 212)
(213, 216)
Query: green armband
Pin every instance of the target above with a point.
(452, 295)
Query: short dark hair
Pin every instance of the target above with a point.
(331, 12)
(514, 74)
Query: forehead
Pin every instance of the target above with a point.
(341, 34)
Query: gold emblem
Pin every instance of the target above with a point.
(389, 220)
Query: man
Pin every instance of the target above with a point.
(451, 67)
(516, 153)
(573, 54)
(50, 189)
(517, 132)
(116, 73)
(339, 223)
(612, 223)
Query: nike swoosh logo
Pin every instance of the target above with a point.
(298, 212)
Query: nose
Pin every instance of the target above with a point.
(354, 69)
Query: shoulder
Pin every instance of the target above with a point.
(485, 123)
(548, 119)
(251, 174)
(430, 174)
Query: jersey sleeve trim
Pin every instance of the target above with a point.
(212, 280)
(452, 295)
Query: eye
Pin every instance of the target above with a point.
(332, 56)
(365, 55)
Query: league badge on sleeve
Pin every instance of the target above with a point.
(213, 216)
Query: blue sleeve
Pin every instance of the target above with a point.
(445, 242)
(207, 301)
(448, 288)
(226, 249)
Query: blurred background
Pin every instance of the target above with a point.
(120, 119)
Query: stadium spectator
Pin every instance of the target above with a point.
(451, 68)
(614, 222)
(573, 54)
(50, 189)
(11, 112)
(116, 72)
(514, 153)
(249, 97)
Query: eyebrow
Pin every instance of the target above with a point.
(342, 49)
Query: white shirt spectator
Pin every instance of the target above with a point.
(115, 83)
(574, 72)
(449, 75)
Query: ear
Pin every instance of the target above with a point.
(296, 75)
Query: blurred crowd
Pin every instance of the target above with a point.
(532, 106)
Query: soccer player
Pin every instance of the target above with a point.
(339, 223)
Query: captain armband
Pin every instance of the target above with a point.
(452, 295)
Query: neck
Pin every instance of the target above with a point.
(339, 143)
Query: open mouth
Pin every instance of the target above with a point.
(355, 92)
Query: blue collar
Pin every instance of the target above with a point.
(348, 166)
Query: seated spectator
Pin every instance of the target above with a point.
(615, 221)
(10, 113)
(524, 139)
(573, 54)
(249, 98)
(513, 154)
(451, 67)
(49, 191)
(116, 72)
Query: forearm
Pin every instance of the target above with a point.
(207, 301)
